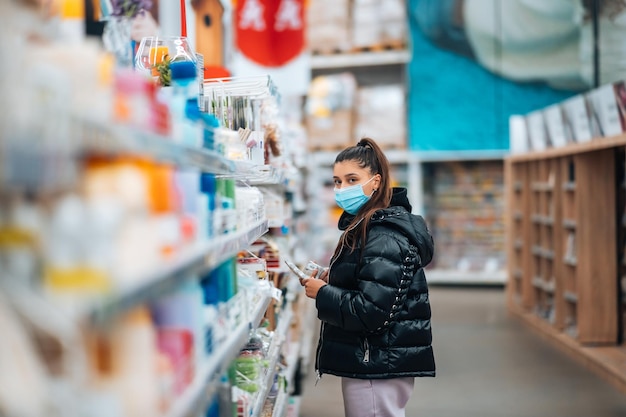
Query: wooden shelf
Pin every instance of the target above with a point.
(542, 219)
(569, 224)
(569, 186)
(542, 284)
(574, 300)
(570, 296)
(542, 252)
(609, 362)
(596, 144)
(542, 186)
(588, 185)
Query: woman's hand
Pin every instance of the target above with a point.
(324, 275)
(312, 286)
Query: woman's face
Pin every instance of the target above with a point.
(347, 173)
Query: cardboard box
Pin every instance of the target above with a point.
(332, 132)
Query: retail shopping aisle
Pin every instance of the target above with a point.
(489, 365)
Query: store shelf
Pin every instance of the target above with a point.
(573, 149)
(360, 59)
(569, 224)
(309, 332)
(474, 155)
(396, 157)
(115, 140)
(204, 383)
(274, 354)
(292, 363)
(280, 406)
(162, 278)
(254, 174)
(440, 276)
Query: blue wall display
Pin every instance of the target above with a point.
(455, 102)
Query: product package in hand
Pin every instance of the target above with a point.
(309, 269)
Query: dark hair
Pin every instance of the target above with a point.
(368, 155)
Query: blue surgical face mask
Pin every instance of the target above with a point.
(352, 198)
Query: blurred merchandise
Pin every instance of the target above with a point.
(465, 211)
(328, 26)
(381, 114)
(340, 26)
(366, 25)
(330, 111)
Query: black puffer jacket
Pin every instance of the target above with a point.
(375, 312)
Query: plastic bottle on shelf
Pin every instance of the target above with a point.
(208, 188)
(177, 344)
(188, 186)
(185, 119)
(184, 309)
(72, 25)
(226, 205)
(210, 125)
(135, 363)
(68, 276)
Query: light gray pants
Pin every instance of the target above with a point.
(376, 397)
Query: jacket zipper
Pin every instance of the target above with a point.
(366, 355)
(319, 348)
(319, 351)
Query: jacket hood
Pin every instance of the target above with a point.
(398, 216)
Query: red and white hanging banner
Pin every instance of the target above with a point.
(270, 33)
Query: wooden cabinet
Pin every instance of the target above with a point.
(565, 249)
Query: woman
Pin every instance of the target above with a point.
(373, 300)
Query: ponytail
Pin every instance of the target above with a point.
(368, 155)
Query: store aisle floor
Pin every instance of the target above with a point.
(488, 365)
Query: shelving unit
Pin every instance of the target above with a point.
(360, 59)
(205, 382)
(185, 250)
(563, 222)
(564, 205)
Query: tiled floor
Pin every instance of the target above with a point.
(489, 365)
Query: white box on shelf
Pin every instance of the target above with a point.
(604, 112)
(577, 119)
(537, 130)
(518, 134)
(554, 123)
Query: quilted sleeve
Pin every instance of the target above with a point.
(380, 277)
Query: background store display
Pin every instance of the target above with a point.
(330, 111)
(465, 206)
(119, 253)
(565, 250)
(345, 25)
(527, 69)
(598, 113)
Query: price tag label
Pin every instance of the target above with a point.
(277, 294)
